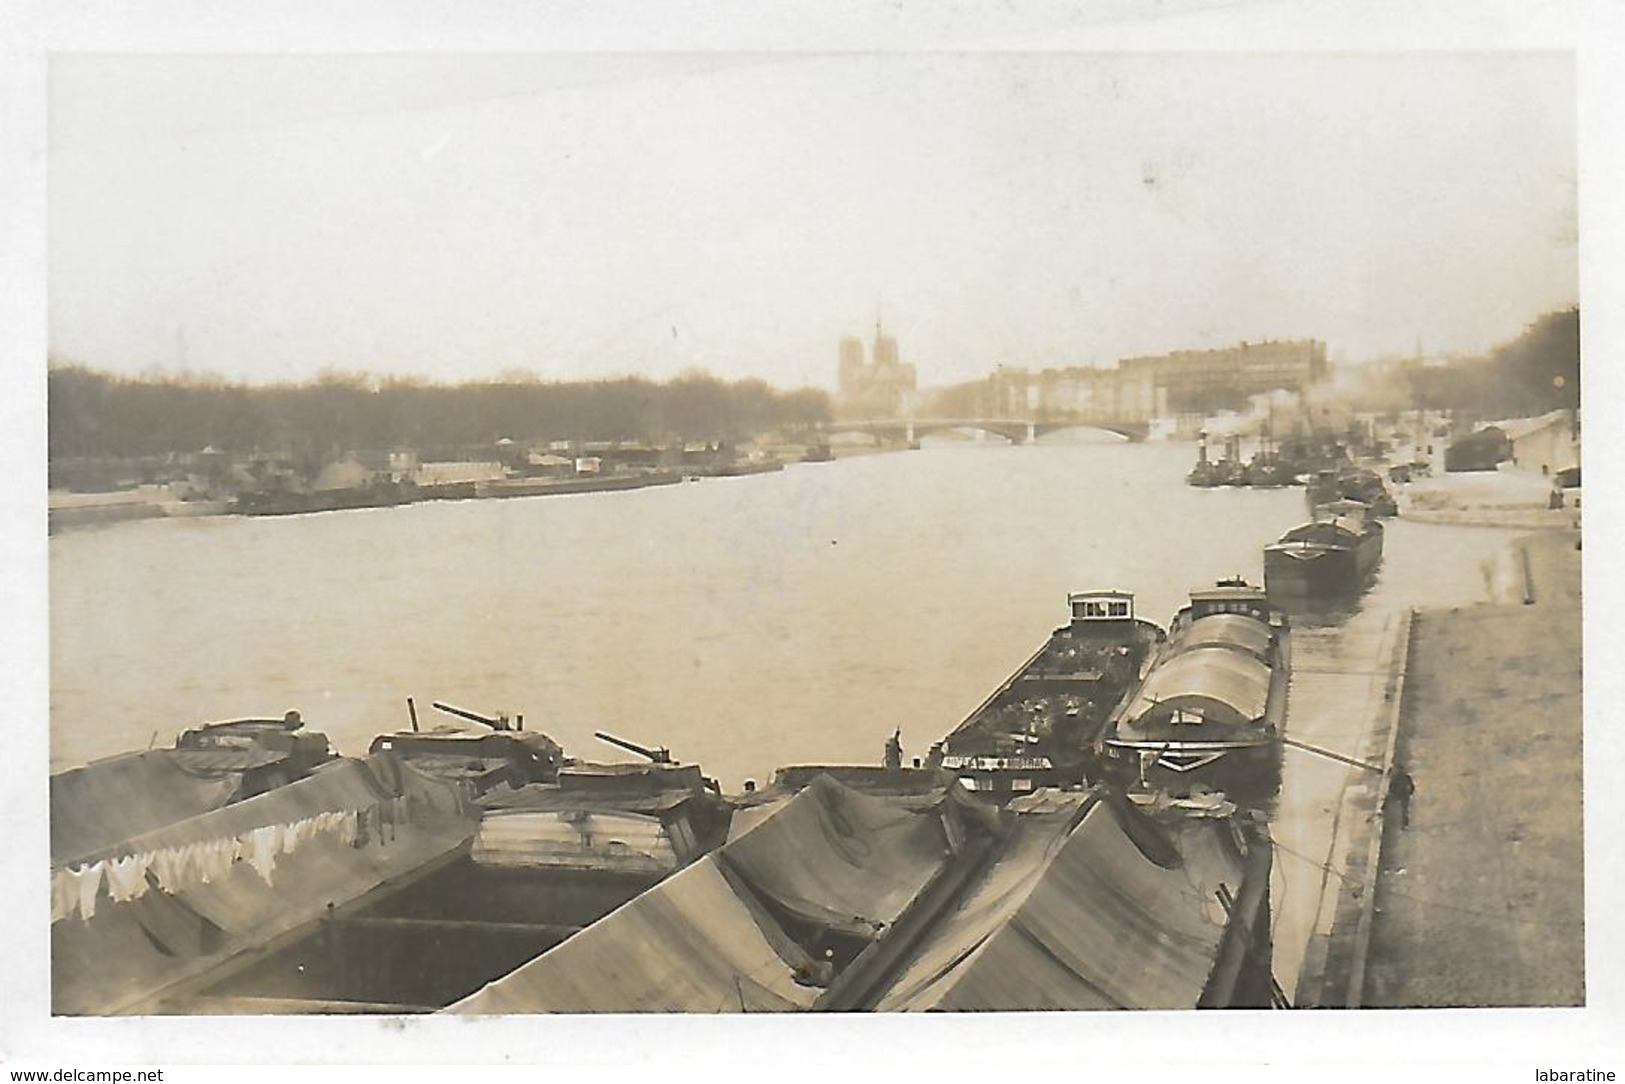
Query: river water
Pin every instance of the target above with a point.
(747, 623)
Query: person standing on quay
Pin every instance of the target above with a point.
(894, 750)
(1400, 789)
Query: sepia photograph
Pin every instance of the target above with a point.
(1077, 512)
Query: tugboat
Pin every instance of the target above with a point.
(1205, 475)
(1349, 483)
(1040, 727)
(1208, 718)
(1269, 468)
(1331, 557)
(1231, 471)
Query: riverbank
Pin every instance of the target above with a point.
(1501, 498)
(65, 510)
(1479, 899)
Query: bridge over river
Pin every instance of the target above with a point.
(1016, 430)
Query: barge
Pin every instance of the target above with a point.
(585, 483)
(97, 806)
(1350, 483)
(395, 883)
(1204, 728)
(298, 503)
(1040, 727)
(486, 871)
(1328, 559)
(830, 897)
(539, 863)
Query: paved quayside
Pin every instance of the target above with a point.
(1479, 901)
(1342, 686)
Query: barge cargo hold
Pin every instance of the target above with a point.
(187, 902)
(395, 884)
(1040, 727)
(1209, 717)
(834, 899)
(543, 862)
(1330, 558)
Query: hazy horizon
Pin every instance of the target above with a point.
(579, 217)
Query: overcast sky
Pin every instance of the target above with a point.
(585, 215)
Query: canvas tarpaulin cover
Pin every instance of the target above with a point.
(96, 807)
(131, 951)
(1221, 684)
(690, 944)
(707, 940)
(338, 785)
(840, 858)
(1077, 918)
(1227, 630)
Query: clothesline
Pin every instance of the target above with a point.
(76, 890)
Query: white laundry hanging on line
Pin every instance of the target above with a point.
(127, 877)
(88, 881)
(64, 895)
(263, 844)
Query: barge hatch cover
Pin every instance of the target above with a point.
(1079, 919)
(726, 934)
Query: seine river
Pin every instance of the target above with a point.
(746, 623)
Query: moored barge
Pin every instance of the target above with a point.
(96, 807)
(1208, 719)
(1331, 557)
(1040, 727)
(838, 897)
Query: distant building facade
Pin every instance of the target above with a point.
(1208, 381)
(1187, 384)
(880, 387)
(1548, 444)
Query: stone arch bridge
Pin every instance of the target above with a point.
(1015, 430)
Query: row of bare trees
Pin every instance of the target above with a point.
(95, 414)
